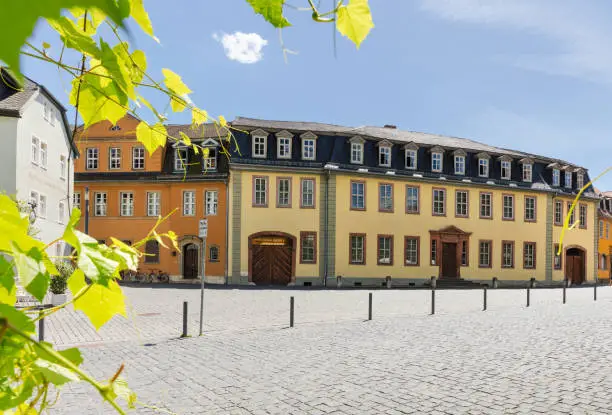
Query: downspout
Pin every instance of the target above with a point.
(326, 227)
(227, 213)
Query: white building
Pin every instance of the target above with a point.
(37, 154)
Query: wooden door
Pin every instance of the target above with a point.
(449, 260)
(190, 261)
(574, 267)
(261, 264)
(281, 265)
(271, 264)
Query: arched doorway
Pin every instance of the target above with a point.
(271, 258)
(190, 260)
(575, 265)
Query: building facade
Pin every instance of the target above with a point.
(37, 155)
(130, 189)
(312, 202)
(604, 259)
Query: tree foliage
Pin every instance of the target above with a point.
(107, 85)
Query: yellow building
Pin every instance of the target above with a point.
(604, 259)
(311, 202)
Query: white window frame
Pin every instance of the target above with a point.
(411, 154)
(44, 154)
(358, 190)
(438, 204)
(210, 159)
(76, 199)
(63, 166)
(153, 204)
(411, 251)
(531, 209)
(580, 180)
(306, 193)
(384, 151)
(357, 148)
(189, 203)
(508, 208)
(114, 158)
(556, 178)
(180, 164)
(358, 249)
(506, 166)
(384, 250)
(138, 155)
(35, 154)
(260, 195)
(568, 179)
(484, 254)
(309, 143)
(211, 202)
(61, 212)
(283, 143)
(484, 163)
(92, 158)
(257, 141)
(126, 203)
(437, 156)
(462, 205)
(100, 203)
(527, 172)
(460, 162)
(413, 196)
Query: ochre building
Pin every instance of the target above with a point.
(129, 189)
(604, 259)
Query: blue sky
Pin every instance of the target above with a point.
(532, 75)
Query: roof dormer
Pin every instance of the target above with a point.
(484, 156)
(259, 143)
(384, 153)
(283, 134)
(309, 146)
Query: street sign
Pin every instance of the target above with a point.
(203, 228)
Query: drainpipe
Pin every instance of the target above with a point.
(326, 227)
(227, 213)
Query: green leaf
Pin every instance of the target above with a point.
(271, 10)
(178, 104)
(32, 271)
(76, 282)
(46, 45)
(222, 121)
(354, 20)
(17, 319)
(99, 303)
(152, 137)
(141, 16)
(174, 83)
(54, 372)
(198, 116)
(185, 138)
(73, 355)
(98, 99)
(14, 227)
(74, 37)
(127, 253)
(120, 389)
(8, 289)
(18, 19)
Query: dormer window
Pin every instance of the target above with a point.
(410, 154)
(506, 168)
(210, 159)
(580, 179)
(483, 164)
(459, 162)
(568, 179)
(260, 140)
(357, 150)
(115, 128)
(384, 154)
(180, 158)
(283, 144)
(556, 177)
(436, 159)
(527, 169)
(309, 146)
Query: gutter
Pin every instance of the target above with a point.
(326, 227)
(227, 213)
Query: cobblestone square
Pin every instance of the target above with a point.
(548, 358)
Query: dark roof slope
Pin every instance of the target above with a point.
(208, 130)
(386, 133)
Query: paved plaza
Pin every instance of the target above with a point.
(549, 358)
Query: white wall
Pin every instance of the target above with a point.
(47, 180)
(8, 162)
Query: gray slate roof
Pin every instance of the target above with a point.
(208, 130)
(12, 97)
(392, 134)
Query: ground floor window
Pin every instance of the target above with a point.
(411, 255)
(358, 246)
(213, 253)
(308, 247)
(385, 250)
(529, 255)
(484, 254)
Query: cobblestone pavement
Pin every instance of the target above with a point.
(550, 358)
(156, 313)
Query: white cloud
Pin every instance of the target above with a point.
(242, 47)
(580, 32)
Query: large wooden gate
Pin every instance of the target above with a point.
(271, 260)
(574, 266)
(449, 260)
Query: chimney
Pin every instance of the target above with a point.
(391, 126)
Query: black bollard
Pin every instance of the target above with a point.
(370, 307)
(484, 298)
(528, 294)
(41, 329)
(564, 288)
(291, 305)
(595, 291)
(184, 319)
(433, 297)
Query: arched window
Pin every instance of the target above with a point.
(213, 253)
(152, 252)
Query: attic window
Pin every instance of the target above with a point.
(115, 128)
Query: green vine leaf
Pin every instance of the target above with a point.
(174, 83)
(8, 289)
(18, 19)
(99, 303)
(185, 138)
(17, 319)
(55, 373)
(74, 37)
(140, 15)
(120, 389)
(272, 11)
(198, 116)
(354, 20)
(152, 137)
(32, 271)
